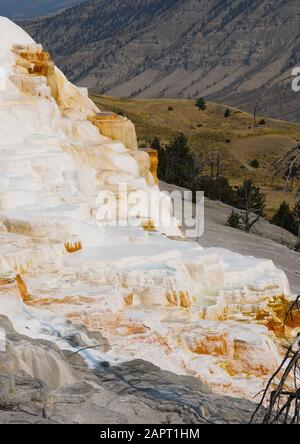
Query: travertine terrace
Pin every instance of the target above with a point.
(209, 313)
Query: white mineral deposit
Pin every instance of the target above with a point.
(153, 295)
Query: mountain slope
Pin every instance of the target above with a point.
(224, 50)
(18, 9)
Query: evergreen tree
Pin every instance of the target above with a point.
(252, 202)
(162, 164)
(227, 113)
(284, 218)
(254, 163)
(217, 189)
(155, 144)
(296, 214)
(180, 165)
(201, 104)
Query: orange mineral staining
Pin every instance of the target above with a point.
(6, 281)
(116, 127)
(73, 248)
(275, 315)
(180, 299)
(35, 60)
(22, 288)
(128, 299)
(211, 344)
(148, 225)
(153, 154)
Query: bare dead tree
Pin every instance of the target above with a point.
(286, 167)
(215, 162)
(280, 401)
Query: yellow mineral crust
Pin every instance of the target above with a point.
(34, 59)
(73, 247)
(22, 288)
(129, 299)
(180, 299)
(153, 155)
(276, 316)
(116, 128)
(6, 282)
(148, 225)
(117, 324)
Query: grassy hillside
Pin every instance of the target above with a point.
(209, 131)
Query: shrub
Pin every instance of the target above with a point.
(254, 163)
(155, 144)
(119, 112)
(227, 113)
(201, 104)
(234, 220)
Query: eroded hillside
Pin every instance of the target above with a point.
(228, 51)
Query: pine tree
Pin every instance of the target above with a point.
(227, 113)
(284, 218)
(162, 164)
(201, 104)
(155, 144)
(180, 163)
(296, 214)
(252, 202)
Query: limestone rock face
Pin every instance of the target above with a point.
(207, 313)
